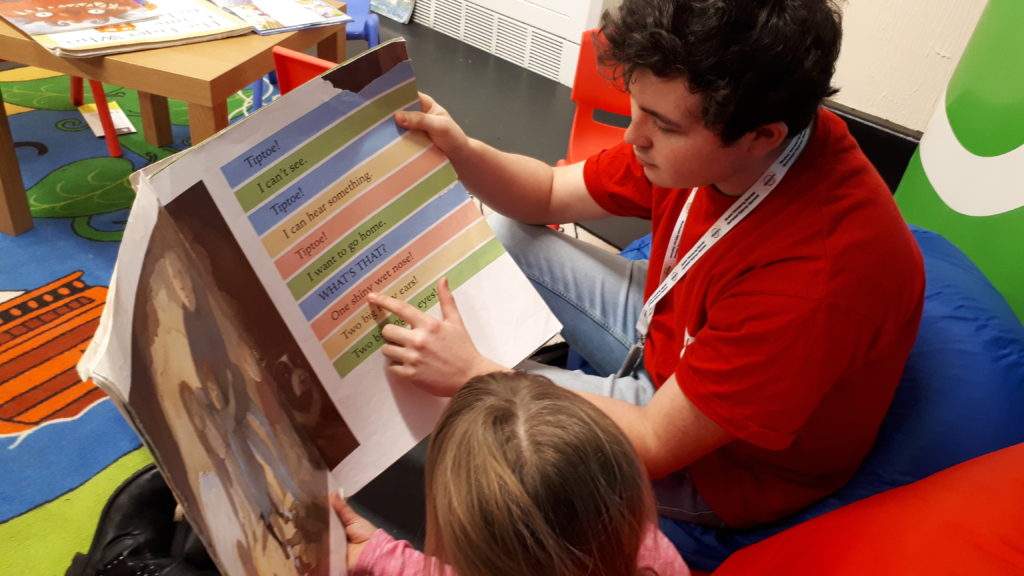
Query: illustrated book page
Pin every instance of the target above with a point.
(178, 22)
(237, 337)
(51, 16)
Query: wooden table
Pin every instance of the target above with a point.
(203, 75)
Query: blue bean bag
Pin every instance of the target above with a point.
(962, 396)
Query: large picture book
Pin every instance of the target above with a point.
(177, 22)
(237, 338)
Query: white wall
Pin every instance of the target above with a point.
(898, 55)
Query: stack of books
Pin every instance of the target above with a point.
(85, 29)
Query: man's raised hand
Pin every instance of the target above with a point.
(437, 124)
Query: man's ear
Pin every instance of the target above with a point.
(766, 138)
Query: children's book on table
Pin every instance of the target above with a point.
(397, 10)
(274, 16)
(53, 16)
(237, 338)
(175, 22)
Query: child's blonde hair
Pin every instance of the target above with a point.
(524, 477)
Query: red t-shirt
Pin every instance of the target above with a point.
(792, 331)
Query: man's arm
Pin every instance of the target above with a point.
(517, 186)
(669, 433)
(437, 355)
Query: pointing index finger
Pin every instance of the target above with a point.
(407, 312)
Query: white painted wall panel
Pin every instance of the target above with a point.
(896, 60)
(898, 55)
(564, 18)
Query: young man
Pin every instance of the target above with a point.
(783, 290)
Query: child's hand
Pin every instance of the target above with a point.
(358, 530)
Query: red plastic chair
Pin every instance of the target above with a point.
(295, 68)
(591, 90)
(102, 109)
(113, 146)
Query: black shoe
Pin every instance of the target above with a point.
(136, 523)
(187, 546)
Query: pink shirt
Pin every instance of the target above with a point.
(385, 556)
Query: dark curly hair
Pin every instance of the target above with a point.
(754, 61)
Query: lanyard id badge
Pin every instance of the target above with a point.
(633, 357)
(733, 216)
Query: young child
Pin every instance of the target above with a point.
(524, 477)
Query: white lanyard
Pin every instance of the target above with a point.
(733, 216)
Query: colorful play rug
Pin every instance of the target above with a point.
(64, 447)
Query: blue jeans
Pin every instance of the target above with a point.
(597, 296)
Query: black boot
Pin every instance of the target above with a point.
(187, 546)
(137, 524)
(146, 566)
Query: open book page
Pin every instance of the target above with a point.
(273, 16)
(178, 22)
(238, 335)
(51, 16)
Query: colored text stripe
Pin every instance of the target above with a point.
(336, 196)
(381, 233)
(283, 141)
(424, 300)
(345, 325)
(293, 166)
(377, 241)
(322, 240)
(399, 262)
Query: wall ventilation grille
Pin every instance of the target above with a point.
(507, 38)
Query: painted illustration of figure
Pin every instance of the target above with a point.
(214, 407)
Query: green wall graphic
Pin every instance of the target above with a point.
(966, 180)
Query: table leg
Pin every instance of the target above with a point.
(15, 217)
(205, 121)
(332, 48)
(156, 119)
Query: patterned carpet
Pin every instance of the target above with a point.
(64, 447)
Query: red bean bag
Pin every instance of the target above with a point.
(968, 519)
